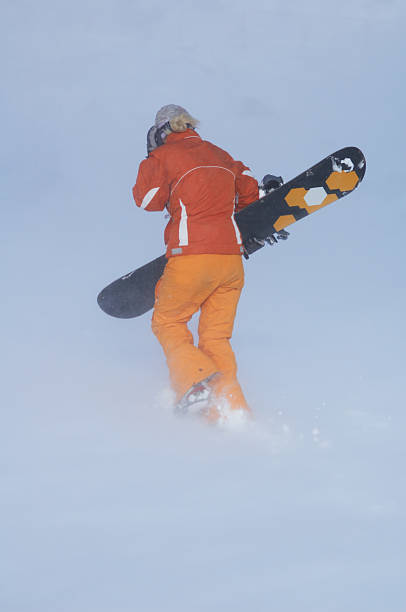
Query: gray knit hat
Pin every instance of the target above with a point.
(167, 113)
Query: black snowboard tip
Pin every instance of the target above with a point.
(110, 304)
(133, 294)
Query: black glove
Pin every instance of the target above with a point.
(271, 182)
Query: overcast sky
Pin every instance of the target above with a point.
(97, 474)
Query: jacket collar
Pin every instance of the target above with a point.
(178, 136)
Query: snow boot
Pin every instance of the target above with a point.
(197, 399)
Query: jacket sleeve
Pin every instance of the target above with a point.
(246, 186)
(151, 190)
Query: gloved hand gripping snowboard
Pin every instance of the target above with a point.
(270, 182)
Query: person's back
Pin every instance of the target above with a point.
(202, 187)
(197, 183)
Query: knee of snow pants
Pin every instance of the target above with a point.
(212, 283)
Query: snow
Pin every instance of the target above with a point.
(108, 502)
(130, 508)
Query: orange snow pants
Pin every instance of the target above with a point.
(212, 284)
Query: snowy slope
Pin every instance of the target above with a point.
(109, 503)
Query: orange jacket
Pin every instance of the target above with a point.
(201, 186)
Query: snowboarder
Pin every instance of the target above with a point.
(201, 186)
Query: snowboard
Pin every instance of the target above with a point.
(332, 178)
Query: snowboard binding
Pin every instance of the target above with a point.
(270, 182)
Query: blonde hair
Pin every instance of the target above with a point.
(183, 122)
